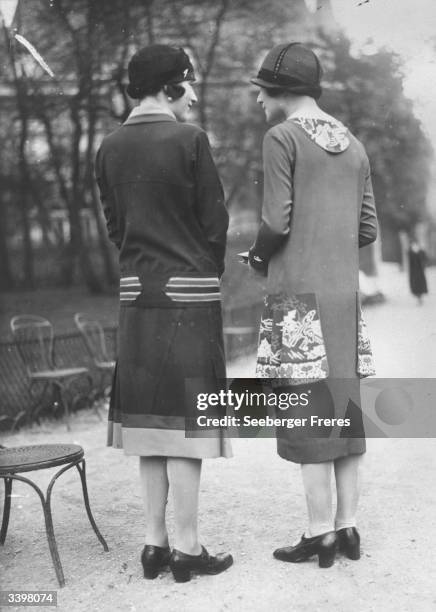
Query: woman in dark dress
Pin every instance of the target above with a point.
(417, 262)
(164, 207)
(318, 209)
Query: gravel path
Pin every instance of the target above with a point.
(249, 505)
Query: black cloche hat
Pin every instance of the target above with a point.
(155, 66)
(293, 67)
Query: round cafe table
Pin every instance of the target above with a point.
(16, 460)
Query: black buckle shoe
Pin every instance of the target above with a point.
(183, 565)
(349, 542)
(154, 559)
(323, 545)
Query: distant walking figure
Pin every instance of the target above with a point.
(417, 262)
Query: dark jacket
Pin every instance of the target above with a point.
(163, 202)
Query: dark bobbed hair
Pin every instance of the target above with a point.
(276, 93)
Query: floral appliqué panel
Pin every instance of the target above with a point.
(365, 361)
(291, 344)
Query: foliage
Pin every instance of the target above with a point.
(366, 93)
(52, 132)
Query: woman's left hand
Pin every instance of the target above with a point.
(257, 264)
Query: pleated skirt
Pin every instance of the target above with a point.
(166, 357)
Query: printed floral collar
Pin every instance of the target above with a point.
(330, 135)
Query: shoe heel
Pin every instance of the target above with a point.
(150, 573)
(181, 574)
(353, 553)
(326, 556)
(349, 543)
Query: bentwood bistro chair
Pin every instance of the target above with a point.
(34, 337)
(95, 341)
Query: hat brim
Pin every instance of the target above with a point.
(314, 91)
(178, 81)
(265, 84)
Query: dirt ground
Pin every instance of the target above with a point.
(250, 504)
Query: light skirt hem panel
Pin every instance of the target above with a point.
(149, 442)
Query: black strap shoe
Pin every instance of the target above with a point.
(183, 565)
(349, 542)
(323, 545)
(154, 559)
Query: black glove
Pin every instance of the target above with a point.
(267, 243)
(257, 263)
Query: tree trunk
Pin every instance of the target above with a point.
(28, 267)
(79, 250)
(150, 22)
(210, 58)
(67, 261)
(6, 277)
(21, 95)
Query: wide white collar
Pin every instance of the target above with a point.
(150, 107)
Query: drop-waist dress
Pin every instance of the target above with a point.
(163, 203)
(318, 209)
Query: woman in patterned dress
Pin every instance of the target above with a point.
(318, 209)
(165, 212)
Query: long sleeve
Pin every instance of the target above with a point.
(368, 216)
(211, 211)
(277, 202)
(108, 208)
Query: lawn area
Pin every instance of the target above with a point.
(59, 306)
